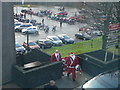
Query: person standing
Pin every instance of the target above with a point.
(55, 57)
(43, 21)
(61, 22)
(71, 62)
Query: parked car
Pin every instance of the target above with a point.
(23, 20)
(97, 33)
(31, 29)
(22, 26)
(71, 22)
(24, 11)
(17, 23)
(33, 21)
(83, 35)
(43, 43)
(62, 13)
(31, 45)
(40, 14)
(108, 80)
(56, 41)
(66, 39)
(20, 49)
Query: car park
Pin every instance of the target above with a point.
(83, 36)
(20, 49)
(66, 39)
(107, 81)
(43, 43)
(31, 45)
(31, 30)
(56, 41)
(23, 26)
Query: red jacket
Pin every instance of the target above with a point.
(53, 57)
(71, 63)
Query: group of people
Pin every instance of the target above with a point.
(71, 63)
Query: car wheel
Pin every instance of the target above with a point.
(24, 51)
(54, 45)
(42, 47)
(16, 30)
(24, 32)
(65, 42)
(84, 38)
(36, 32)
(77, 37)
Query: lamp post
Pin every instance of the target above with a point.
(27, 41)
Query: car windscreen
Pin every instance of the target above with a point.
(26, 25)
(66, 37)
(47, 42)
(17, 24)
(86, 35)
(55, 38)
(32, 43)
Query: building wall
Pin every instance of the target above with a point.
(0, 44)
(8, 41)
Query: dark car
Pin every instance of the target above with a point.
(43, 43)
(83, 36)
(33, 21)
(66, 39)
(106, 81)
(24, 20)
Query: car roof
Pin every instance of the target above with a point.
(30, 41)
(26, 24)
(104, 80)
(51, 36)
(32, 27)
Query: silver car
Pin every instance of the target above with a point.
(56, 41)
(31, 29)
(22, 26)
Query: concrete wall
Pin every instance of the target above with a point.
(8, 41)
(0, 43)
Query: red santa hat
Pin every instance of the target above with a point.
(72, 53)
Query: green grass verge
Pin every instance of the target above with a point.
(77, 48)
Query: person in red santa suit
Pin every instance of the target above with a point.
(55, 57)
(71, 62)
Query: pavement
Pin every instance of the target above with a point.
(64, 83)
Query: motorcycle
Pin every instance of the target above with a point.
(54, 28)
